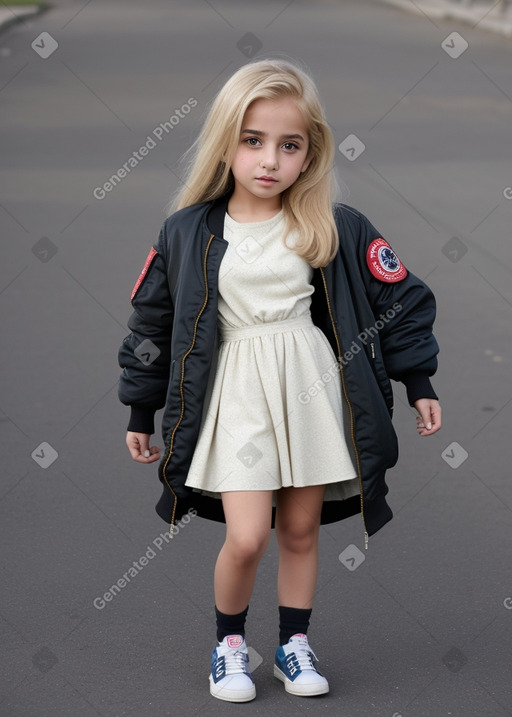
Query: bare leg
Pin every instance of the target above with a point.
(248, 520)
(297, 529)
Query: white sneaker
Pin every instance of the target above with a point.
(230, 677)
(295, 666)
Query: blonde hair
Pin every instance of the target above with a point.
(308, 203)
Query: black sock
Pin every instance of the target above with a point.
(292, 620)
(230, 624)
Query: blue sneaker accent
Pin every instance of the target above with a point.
(230, 676)
(295, 665)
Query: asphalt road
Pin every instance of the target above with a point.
(423, 626)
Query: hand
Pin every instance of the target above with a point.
(429, 420)
(138, 445)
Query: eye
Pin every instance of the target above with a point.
(290, 145)
(250, 140)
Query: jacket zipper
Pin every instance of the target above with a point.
(349, 407)
(171, 444)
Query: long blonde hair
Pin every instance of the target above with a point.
(308, 203)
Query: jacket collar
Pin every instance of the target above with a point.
(216, 214)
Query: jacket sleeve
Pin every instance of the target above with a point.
(404, 313)
(145, 353)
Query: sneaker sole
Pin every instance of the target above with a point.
(222, 693)
(300, 690)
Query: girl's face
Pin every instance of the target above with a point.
(271, 150)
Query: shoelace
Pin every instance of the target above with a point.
(236, 662)
(304, 656)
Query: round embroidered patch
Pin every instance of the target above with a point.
(384, 263)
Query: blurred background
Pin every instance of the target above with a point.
(419, 99)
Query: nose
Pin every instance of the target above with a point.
(269, 158)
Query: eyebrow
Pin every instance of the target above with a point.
(264, 134)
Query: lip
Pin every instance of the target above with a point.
(267, 180)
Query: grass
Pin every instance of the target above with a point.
(14, 3)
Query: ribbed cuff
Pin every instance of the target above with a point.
(142, 420)
(418, 386)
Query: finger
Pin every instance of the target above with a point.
(143, 444)
(432, 426)
(435, 411)
(141, 458)
(420, 426)
(434, 429)
(138, 445)
(135, 445)
(426, 419)
(134, 452)
(153, 454)
(149, 455)
(436, 417)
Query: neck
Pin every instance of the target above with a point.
(251, 208)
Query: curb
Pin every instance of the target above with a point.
(480, 16)
(17, 14)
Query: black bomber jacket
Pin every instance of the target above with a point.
(376, 315)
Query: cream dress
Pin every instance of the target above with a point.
(274, 414)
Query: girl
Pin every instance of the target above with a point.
(268, 320)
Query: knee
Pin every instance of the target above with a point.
(246, 549)
(300, 538)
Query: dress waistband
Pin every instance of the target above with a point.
(230, 333)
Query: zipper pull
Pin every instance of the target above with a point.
(366, 541)
(372, 346)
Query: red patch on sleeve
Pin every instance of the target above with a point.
(384, 263)
(152, 253)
